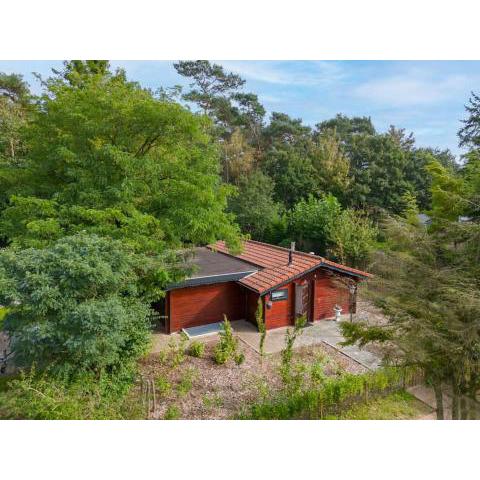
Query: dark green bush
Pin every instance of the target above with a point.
(74, 305)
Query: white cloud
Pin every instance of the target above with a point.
(412, 89)
(287, 73)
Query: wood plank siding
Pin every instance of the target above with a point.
(281, 313)
(328, 293)
(200, 305)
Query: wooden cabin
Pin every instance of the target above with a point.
(288, 283)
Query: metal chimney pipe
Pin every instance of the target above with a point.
(290, 253)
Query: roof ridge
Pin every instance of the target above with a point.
(284, 249)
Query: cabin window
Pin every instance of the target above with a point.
(279, 295)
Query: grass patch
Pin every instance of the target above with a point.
(396, 406)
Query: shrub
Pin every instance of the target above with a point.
(74, 305)
(88, 397)
(177, 349)
(239, 358)
(196, 349)
(163, 385)
(220, 356)
(186, 382)
(172, 413)
(163, 356)
(287, 352)
(261, 326)
(214, 400)
(226, 348)
(336, 394)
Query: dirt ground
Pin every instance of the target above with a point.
(198, 388)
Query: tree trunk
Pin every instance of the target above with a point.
(455, 402)
(473, 408)
(437, 387)
(463, 408)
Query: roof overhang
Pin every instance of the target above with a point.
(300, 275)
(209, 280)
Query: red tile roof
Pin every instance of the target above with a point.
(274, 263)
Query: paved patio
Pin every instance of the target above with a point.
(324, 331)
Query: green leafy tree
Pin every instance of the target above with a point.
(449, 193)
(378, 167)
(433, 310)
(311, 222)
(210, 80)
(110, 158)
(238, 157)
(346, 127)
(254, 207)
(75, 305)
(352, 238)
(16, 107)
(76, 71)
(331, 163)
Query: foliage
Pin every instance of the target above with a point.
(226, 348)
(322, 226)
(291, 379)
(172, 413)
(237, 157)
(111, 158)
(253, 206)
(212, 401)
(186, 381)
(3, 314)
(469, 134)
(312, 220)
(209, 82)
(396, 406)
(449, 193)
(163, 386)
(177, 348)
(333, 396)
(261, 326)
(287, 161)
(43, 396)
(352, 238)
(331, 163)
(196, 349)
(432, 306)
(239, 358)
(76, 304)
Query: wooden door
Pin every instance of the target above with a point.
(303, 300)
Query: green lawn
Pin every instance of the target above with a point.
(397, 406)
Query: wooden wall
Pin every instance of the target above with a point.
(251, 306)
(193, 306)
(281, 313)
(328, 293)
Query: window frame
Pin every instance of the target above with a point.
(282, 298)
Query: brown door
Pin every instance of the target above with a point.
(303, 300)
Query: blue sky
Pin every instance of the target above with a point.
(425, 97)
